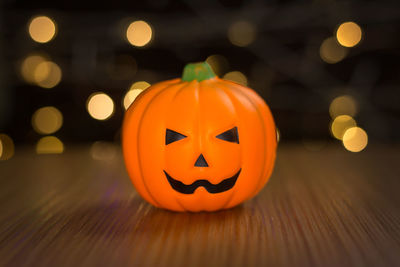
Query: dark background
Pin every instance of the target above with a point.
(283, 63)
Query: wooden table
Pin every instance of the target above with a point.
(325, 208)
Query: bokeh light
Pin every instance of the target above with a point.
(278, 135)
(29, 65)
(218, 63)
(331, 52)
(237, 77)
(135, 89)
(47, 120)
(100, 106)
(348, 34)
(343, 105)
(6, 147)
(103, 151)
(42, 29)
(355, 139)
(139, 33)
(47, 74)
(242, 33)
(49, 145)
(340, 124)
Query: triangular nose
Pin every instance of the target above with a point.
(201, 161)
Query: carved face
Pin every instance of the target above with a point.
(192, 146)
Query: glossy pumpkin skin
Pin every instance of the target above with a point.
(200, 110)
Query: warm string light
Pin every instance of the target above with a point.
(42, 29)
(139, 33)
(344, 127)
(218, 63)
(343, 105)
(47, 120)
(100, 106)
(355, 139)
(6, 147)
(348, 34)
(242, 33)
(39, 70)
(237, 77)
(49, 145)
(331, 52)
(135, 89)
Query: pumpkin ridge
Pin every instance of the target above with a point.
(232, 89)
(162, 90)
(266, 158)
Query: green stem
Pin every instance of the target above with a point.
(197, 71)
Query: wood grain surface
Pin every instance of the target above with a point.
(325, 208)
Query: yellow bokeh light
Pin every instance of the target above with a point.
(242, 33)
(47, 120)
(130, 97)
(100, 106)
(218, 63)
(355, 139)
(6, 147)
(103, 151)
(331, 52)
(139, 33)
(47, 74)
(49, 145)
(42, 29)
(343, 105)
(135, 89)
(340, 124)
(29, 66)
(237, 77)
(348, 34)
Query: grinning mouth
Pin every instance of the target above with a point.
(211, 188)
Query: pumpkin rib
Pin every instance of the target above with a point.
(270, 142)
(129, 114)
(162, 90)
(229, 199)
(185, 85)
(229, 89)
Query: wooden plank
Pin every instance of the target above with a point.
(326, 208)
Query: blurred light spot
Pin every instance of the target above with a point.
(47, 120)
(340, 124)
(355, 139)
(349, 34)
(135, 89)
(47, 74)
(237, 77)
(42, 29)
(29, 66)
(49, 145)
(103, 151)
(139, 33)
(6, 147)
(278, 135)
(139, 85)
(218, 63)
(331, 52)
(242, 33)
(343, 105)
(100, 106)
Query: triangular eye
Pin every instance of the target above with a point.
(230, 135)
(172, 136)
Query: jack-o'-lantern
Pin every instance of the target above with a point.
(199, 143)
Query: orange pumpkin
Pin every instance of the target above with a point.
(198, 143)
